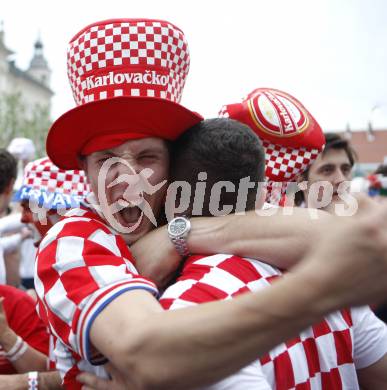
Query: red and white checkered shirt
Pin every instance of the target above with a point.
(81, 267)
(324, 356)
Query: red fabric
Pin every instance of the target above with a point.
(291, 136)
(43, 175)
(127, 78)
(318, 353)
(23, 319)
(81, 267)
(284, 371)
(153, 117)
(331, 380)
(293, 131)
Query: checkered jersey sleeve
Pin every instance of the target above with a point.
(221, 277)
(81, 267)
(369, 337)
(217, 277)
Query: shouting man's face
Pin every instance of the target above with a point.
(129, 184)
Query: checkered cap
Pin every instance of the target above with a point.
(291, 136)
(42, 176)
(128, 57)
(286, 162)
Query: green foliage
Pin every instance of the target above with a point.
(16, 121)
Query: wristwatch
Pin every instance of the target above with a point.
(178, 229)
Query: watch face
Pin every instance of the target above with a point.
(178, 227)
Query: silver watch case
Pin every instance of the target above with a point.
(178, 229)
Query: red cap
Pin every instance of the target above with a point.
(127, 78)
(291, 136)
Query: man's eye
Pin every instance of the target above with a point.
(326, 170)
(147, 157)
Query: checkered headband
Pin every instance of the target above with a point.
(290, 135)
(52, 187)
(128, 57)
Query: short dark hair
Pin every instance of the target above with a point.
(381, 170)
(332, 141)
(226, 150)
(337, 141)
(8, 169)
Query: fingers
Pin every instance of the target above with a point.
(363, 200)
(368, 207)
(377, 210)
(92, 382)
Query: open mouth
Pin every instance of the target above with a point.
(129, 215)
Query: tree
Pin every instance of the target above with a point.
(16, 122)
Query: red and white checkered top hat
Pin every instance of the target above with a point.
(127, 78)
(52, 187)
(291, 136)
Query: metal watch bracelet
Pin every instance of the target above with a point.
(181, 246)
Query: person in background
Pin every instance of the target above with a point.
(8, 166)
(24, 340)
(23, 149)
(378, 183)
(45, 193)
(328, 178)
(15, 238)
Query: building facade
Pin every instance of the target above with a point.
(32, 84)
(371, 148)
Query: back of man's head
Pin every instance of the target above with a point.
(227, 151)
(8, 170)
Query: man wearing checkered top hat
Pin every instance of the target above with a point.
(86, 279)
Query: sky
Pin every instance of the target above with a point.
(330, 54)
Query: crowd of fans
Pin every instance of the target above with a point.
(82, 266)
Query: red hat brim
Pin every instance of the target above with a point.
(131, 117)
